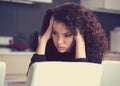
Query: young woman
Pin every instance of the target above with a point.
(71, 32)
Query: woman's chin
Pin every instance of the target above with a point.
(62, 51)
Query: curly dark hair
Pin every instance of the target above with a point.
(76, 16)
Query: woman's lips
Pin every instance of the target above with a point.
(60, 47)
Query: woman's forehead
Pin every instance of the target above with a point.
(60, 27)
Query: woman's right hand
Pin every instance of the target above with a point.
(47, 35)
(42, 41)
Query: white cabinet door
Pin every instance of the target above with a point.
(92, 4)
(109, 6)
(112, 4)
(16, 63)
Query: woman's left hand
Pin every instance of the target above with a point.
(80, 45)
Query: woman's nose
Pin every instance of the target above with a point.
(60, 40)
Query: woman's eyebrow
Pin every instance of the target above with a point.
(67, 32)
(54, 30)
(63, 33)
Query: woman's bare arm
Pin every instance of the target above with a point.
(80, 46)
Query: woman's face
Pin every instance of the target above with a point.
(62, 37)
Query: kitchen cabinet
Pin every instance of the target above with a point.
(112, 57)
(29, 1)
(16, 62)
(107, 6)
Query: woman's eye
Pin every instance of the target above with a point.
(54, 33)
(67, 35)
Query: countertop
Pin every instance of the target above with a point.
(16, 53)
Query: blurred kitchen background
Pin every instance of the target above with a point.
(21, 20)
(20, 24)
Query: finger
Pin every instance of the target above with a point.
(51, 22)
(78, 31)
(78, 36)
(39, 37)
